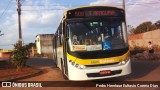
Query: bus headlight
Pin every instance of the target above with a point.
(82, 67)
(123, 62)
(77, 65)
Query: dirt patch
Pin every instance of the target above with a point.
(145, 56)
(9, 72)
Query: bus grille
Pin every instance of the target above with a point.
(99, 75)
(101, 65)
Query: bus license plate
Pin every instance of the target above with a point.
(105, 72)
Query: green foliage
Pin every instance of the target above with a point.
(144, 27)
(157, 24)
(19, 56)
(137, 50)
(131, 31)
(30, 45)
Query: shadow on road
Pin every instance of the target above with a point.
(40, 62)
(139, 70)
(142, 68)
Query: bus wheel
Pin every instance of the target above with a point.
(64, 76)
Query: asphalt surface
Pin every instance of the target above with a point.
(141, 71)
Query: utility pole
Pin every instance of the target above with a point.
(19, 22)
(123, 4)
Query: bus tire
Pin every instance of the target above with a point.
(62, 68)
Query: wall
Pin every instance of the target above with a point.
(38, 45)
(143, 39)
(44, 43)
(5, 55)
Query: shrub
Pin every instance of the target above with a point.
(19, 56)
(137, 50)
(156, 48)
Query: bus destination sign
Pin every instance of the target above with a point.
(93, 13)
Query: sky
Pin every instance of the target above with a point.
(44, 16)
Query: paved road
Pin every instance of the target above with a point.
(40, 62)
(50, 72)
(141, 71)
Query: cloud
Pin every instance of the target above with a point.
(137, 11)
(35, 19)
(117, 3)
(43, 16)
(41, 20)
(143, 10)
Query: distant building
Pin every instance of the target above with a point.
(5, 54)
(32, 51)
(44, 43)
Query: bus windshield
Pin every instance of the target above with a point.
(96, 35)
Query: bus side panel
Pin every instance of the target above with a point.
(59, 56)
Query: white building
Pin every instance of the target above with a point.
(44, 43)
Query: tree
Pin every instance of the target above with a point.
(130, 29)
(157, 24)
(31, 45)
(19, 56)
(144, 27)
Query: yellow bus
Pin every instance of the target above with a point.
(91, 43)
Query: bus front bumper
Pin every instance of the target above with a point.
(94, 73)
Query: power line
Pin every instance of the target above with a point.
(2, 26)
(44, 10)
(83, 5)
(131, 4)
(142, 3)
(5, 9)
(22, 2)
(3, 13)
(55, 5)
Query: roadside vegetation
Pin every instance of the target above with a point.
(137, 50)
(144, 27)
(16, 68)
(19, 56)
